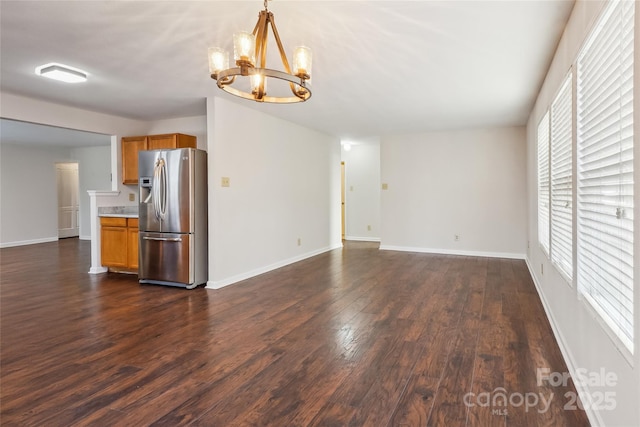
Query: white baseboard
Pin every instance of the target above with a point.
(217, 284)
(362, 239)
(87, 237)
(581, 388)
(453, 252)
(28, 242)
(98, 270)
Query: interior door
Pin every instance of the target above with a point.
(68, 196)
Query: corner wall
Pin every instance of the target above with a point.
(284, 186)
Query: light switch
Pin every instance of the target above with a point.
(132, 197)
(385, 186)
(226, 182)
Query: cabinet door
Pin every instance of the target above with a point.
(132, 250)
(130, 147)
(186, 141)
(171, 141)
(156, 142)
(113, 246)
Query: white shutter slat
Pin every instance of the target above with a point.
(604, 271)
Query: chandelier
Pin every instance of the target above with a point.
(250, 55)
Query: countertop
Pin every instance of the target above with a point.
(119, 211)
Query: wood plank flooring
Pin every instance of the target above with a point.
(353, 337)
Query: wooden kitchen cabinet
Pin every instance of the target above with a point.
(173, 140)
(131, 145)
(119, 243)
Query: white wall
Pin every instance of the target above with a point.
(469, 183)
(24, 181)
(28, 193)
(284, 186)
(362, 190)
(583, 340)
(94, 172)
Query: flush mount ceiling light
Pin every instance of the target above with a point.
(252, 47)
(63, 73)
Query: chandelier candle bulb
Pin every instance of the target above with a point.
(218, 60)
(302, 62)
(244, 48)
(258, 85)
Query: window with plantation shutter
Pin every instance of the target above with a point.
(561, 180)
(543, 183)
(605, 169)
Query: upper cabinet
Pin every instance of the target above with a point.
(132, 144)
(130, 147)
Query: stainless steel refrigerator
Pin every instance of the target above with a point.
(173, 217)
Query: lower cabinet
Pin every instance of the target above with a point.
(119, 243)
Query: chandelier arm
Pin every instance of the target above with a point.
(255, 29)
(283, 56)
(300, 94)
(223, 81)
(261, 38)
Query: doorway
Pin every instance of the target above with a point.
(68, 196)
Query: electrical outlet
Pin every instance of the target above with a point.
(456, 237)
(132, 197)
(299, 241)
(542, 269)
(226, 182)
(368, 228)
(385, 186)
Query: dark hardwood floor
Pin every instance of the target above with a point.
(353, 337)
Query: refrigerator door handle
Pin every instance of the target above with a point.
(164, 239)
(160, 189)
(156, 188)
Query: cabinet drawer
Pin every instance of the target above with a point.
(113, 222)
(132, 222)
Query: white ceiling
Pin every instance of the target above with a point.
(380, 67)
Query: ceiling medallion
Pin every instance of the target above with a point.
(250, 55)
